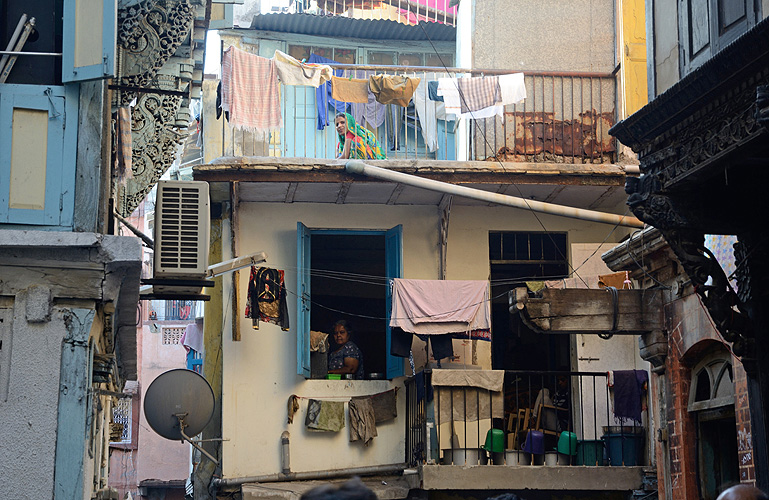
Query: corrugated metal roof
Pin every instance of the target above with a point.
(345, 27)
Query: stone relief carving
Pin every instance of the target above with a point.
(153, 53)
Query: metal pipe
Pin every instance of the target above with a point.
(22, 53)
(304, 476)
(360, 168)
(12, 41)
(285, 457)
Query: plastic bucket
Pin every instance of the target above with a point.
(551, 458)
(495, 441)
(624, 449)
(567, 443)
(590, 452)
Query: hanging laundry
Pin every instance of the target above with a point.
(323, 94)
(442, 346)
(318, 341)
(385, 406)
(124, 151)
(393, 88)
(449, 89)
(434, 307)
(370, 112)
(250, 92)
(400, 342)
(362, 420)
(220, 103)
(327, 416)
(512, 88)
(432, 91)
(349, 89)
(294, 72)
(193, 338)
(293, 407)
(478, 93)
(479, 334)
(629, 386)
(266, 300)
(427, 112)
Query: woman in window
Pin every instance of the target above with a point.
(356, 141)
(344, 356)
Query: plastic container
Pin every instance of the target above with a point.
(551, 458)
(495, 441)
(334, 376)
(590, 452)
(567, 443)
(624, 449)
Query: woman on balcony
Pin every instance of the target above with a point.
(356, 141)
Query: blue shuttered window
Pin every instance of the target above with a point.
(393, 269)
(89, 40)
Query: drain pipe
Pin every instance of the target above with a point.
(285, 459)
(360, 168)
(316, 474)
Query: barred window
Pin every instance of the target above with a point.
(122, 415)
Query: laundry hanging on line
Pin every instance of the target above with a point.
(480, 97)
(250, 92)
(266, 298)
(291, 71)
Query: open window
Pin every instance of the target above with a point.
(345, 274)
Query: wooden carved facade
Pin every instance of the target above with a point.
(155, 51)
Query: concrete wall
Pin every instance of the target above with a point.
(548, 35)
(260, 370)
(28, 417)
(159, 458)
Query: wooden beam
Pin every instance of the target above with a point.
(589, 311)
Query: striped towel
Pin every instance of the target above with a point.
(250, 92)
(479, 93)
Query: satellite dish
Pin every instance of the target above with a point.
(178, 404)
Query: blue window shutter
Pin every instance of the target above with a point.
(28, 98)
(89, 40)
(393, 269)
(302, 300)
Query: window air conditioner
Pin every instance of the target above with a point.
(182, 226)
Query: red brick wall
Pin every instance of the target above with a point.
(742, 416)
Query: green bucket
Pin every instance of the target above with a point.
(495, 441)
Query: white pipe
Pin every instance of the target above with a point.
(358, 167)
(12, 41)
(251, 259)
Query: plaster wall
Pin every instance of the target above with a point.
(260, 370)
(160, 459)
(665, 44)
(547, 35)
(594, 354)
(29, 414)
(764, 8)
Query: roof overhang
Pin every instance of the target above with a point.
(296, 180)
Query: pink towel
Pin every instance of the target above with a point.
(433, 307)
(250, 91)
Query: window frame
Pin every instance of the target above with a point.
(393, 269)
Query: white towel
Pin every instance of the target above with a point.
(291, 71)
(512, 88)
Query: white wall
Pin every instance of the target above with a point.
(260, 370)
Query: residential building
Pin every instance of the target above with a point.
(340, 238)
(701, 144)
(69, 281)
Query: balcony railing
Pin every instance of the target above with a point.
(565, 118)
(552, 407)
(404, 11)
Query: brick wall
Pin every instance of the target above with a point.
(742, 416)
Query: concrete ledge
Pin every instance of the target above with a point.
(385, 487)
(503, 477)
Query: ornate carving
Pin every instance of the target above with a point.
(651, 207)
(762, 105)
(722, 302)
(150, 36)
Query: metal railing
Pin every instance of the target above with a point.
(565, 118)
(403, 11)
(578, 404)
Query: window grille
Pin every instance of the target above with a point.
(172, 335)
(122, 415)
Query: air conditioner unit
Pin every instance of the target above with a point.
(182, 230)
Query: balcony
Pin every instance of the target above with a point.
(522, 435)
(403, 11)
(564, 119)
